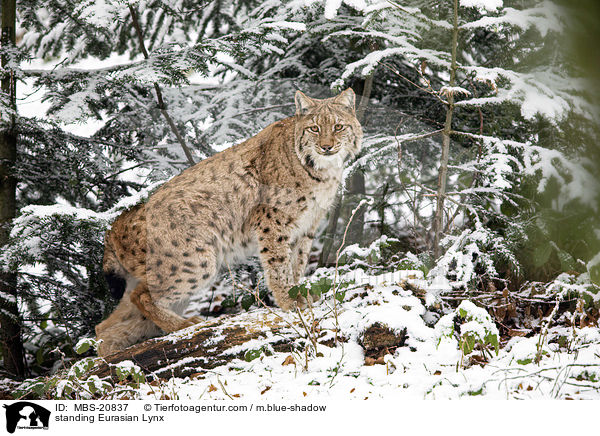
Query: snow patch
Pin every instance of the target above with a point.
(485, 5)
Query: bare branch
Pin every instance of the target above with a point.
(159, 96)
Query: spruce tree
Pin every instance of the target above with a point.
(506, 95)
(71, 186)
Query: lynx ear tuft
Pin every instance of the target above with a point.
(346, 98)
(303, 103)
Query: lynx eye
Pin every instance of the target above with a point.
(339, 127)
(314, 129)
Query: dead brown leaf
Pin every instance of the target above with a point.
(500, 313)
(518, 332)
(289, 361)
(212, 388)
(477, 359)
(265, 390)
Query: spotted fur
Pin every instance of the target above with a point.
(264, 196)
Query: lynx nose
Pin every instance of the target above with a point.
(326, 147)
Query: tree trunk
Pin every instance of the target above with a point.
(356, 184)
(329, 236)
(356, 191)
(10, 336)
(355, 187)
(438, 224)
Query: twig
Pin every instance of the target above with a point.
(544, 332)
(310, 336)
(428, 91)
(128, 169)
(399, 161)
(337, 261)
(361, 160)
(266, 108)
(445, 195)
(364, 100)
(223, 387)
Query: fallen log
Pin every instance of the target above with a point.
(221, 340)
(206, 346)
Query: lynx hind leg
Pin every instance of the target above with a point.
(170, 285)
(126, 326)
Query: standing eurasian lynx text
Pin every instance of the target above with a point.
(265, 196)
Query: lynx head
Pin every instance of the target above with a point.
(327, 131)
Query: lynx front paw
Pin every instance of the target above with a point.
(107, 346)
(304, 302)
(287, 303)
(284, 301)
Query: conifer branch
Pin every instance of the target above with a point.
(159, 97)
(11, 342)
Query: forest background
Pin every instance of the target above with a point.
(479, 166)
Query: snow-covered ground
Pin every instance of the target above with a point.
(434, 361)
(427, 372)
(427, 366)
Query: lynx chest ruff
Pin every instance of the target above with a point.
(265, 196)
(317, 206)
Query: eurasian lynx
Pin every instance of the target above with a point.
(265, 196)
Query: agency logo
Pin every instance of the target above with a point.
(26, 415)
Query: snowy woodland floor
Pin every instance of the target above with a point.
(428, 365)
(438, 357)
